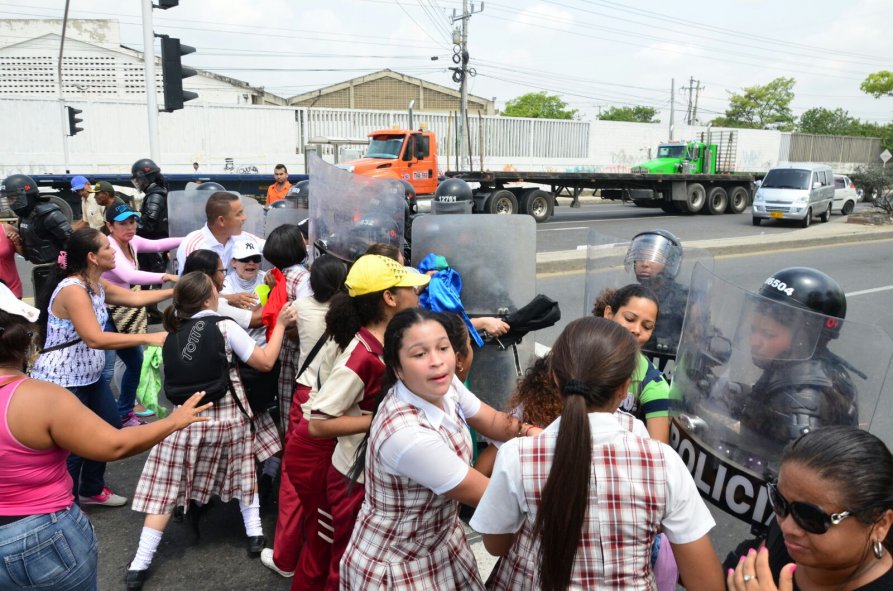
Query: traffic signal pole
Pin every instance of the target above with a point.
(149, 74)
(63, 112)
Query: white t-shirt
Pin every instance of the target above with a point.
(234, 284)
(241, 316)
(203, 239)
(240, 341)
(422, 455)
(311, 325)
(503, 508)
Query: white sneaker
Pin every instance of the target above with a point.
(266, 557)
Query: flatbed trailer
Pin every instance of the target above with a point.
(504, 192)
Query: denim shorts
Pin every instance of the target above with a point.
(50, 551)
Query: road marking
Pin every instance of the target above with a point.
(866, 291)
(563, 229)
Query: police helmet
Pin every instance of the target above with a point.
(453, 190)
(299, 194)
(808, 289)
(144, 172)
(210, 186)
(657, 246)
(22, 193)
(369, 230)
(410, 194)
(282, 204)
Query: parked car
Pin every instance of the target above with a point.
(845, 195)
(795, 191)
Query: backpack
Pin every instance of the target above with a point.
(195, 360)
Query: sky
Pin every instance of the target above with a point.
(594, 54)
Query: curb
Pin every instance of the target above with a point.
(567, 261)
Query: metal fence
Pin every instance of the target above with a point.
(500, 137)
(829, 149)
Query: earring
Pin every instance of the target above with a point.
(459, 368)
(878, 548)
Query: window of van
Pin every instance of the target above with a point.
(824, 176)
(786, 178)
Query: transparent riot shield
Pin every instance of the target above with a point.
(495, 256)
(255, 217)
(611, 263)
(349, 212)
(753, 374)
(186, 211)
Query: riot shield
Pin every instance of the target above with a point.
(186, 209)
(255, 217)
(610, 264)
(753, 374)
(495, 256)
(349, 213)
(277, 216)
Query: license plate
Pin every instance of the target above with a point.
(776, 214)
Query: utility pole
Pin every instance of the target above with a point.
(694, 111)
(461, 74)
(672, 105)
(691, 84)
(63, 112)
(694, 86)
(149, 74)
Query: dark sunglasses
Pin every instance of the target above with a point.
(806, 515)
(251, 259)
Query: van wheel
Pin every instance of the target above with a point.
(847, 208)
(826, 216)
(717, 201)
(696, 197)
(807, 219)
(756, 221)
(737, 200)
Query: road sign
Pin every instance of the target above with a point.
(886, 155)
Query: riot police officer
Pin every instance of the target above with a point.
(42, 225)
(655, 257)
(146, 177)
(803, 385)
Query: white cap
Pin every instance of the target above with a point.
(244, 249)
(13, 305)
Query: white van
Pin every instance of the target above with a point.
(795, 191)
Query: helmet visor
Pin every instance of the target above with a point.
(655, 249)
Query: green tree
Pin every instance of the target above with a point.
(878, 84)
(538, 105)
(759, 107)
(827, 122)
(635, 114)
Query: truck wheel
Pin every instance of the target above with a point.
(537, 204)
(738, 198)
(717, 201)
(63, 206)
(807, 219)
(827, 215)
(501, 202)
(696, 198)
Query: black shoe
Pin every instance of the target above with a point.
(135, 579)
(255, 545)
(195, 514)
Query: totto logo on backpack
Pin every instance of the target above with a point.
(195, 360)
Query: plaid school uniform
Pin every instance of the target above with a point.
(626, 505)
(407, 537)
(295, 278)
(214, 457)
(517, 568)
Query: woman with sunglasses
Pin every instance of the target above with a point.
(834, 505)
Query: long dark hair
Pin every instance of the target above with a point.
(857, 461)
(591, 359)
(190, 294)
(617, 298)
(347, 315)
(16, 338)
(81, 243)
(202, 260)
(327, 277)
(393, 341)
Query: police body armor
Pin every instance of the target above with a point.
(153, 214)
(736, 402)
(44, 233)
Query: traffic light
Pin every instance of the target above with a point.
(165, 4)
(73, 120)
(174, 72)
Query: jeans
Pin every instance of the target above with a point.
(50, 551)
(133, 361)
(89, 476)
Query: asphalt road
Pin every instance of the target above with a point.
(569, 228)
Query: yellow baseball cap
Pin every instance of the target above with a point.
(373, 272)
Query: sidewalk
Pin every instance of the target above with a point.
(837, 231)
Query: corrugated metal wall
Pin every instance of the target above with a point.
(805, 147)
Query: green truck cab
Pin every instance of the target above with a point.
(681, 158)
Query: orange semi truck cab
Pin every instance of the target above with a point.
(400, 154)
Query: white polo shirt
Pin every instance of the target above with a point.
(203, 239)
